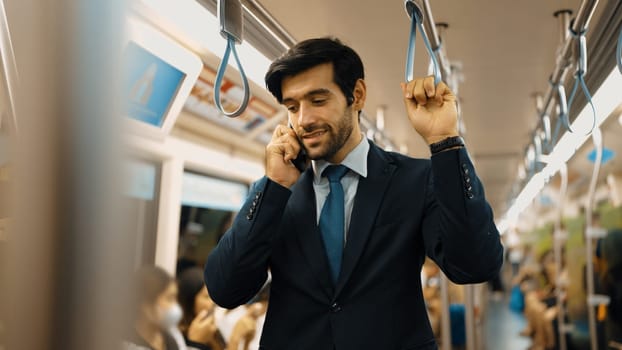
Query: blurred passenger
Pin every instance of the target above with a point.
(201, 312)
(431, 284)
(195, 302)
(541, 302)
(156, 311)
(612, 283)
(157, 315)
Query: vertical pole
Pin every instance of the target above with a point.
(559, 239)
(68, 255)
(469, 297)
(445, 324)
(589, 249)
(168, 214)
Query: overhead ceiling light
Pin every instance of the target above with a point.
(606, 99)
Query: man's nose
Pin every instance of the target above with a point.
(306, 116)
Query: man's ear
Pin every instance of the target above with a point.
(360, 94)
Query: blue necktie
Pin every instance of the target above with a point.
(332, 219)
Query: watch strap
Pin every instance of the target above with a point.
(444, 144)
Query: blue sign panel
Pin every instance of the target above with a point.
(150, 85)
(607, 156)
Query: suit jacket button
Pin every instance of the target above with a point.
(335, 307)
(249, 217)
(470, 195)
(467, 180)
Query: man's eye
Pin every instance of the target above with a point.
(292, 108)
(318, 101)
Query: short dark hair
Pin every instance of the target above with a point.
(347, 65)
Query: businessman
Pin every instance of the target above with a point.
(345, 238)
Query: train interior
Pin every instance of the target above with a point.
(118, 150)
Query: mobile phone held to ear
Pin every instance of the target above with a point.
(301, 159)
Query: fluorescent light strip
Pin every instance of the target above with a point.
(606, 100)
(201, 27)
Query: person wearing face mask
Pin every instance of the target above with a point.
(157, 314)
(156, 311)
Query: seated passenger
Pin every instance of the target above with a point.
(541, 304)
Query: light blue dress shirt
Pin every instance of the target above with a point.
(356, 161)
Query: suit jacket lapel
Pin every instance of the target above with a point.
(302, 206)
(368, 198)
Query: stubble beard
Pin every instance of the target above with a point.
(337, 138)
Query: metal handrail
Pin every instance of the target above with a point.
(269, 23)
(566, 58)
(430, 35)
(430, 30)
(259, 13)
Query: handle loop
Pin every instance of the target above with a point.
(220, 75)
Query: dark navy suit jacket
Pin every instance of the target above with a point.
(404, 209)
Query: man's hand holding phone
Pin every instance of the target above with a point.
(280, 152)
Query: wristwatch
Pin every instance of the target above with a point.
(446, 143)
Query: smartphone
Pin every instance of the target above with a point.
(301, 159)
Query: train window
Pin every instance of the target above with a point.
(208, 206)
(141, 191)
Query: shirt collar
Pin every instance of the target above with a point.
(356, 161)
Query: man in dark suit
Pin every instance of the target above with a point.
(345, 239)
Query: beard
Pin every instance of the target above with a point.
(337, 137)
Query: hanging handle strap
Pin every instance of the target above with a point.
(562, 115)
(410, 55)
(231, 28)
(547, 146)
(220, 75)
(416, 21)
(580, 79)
